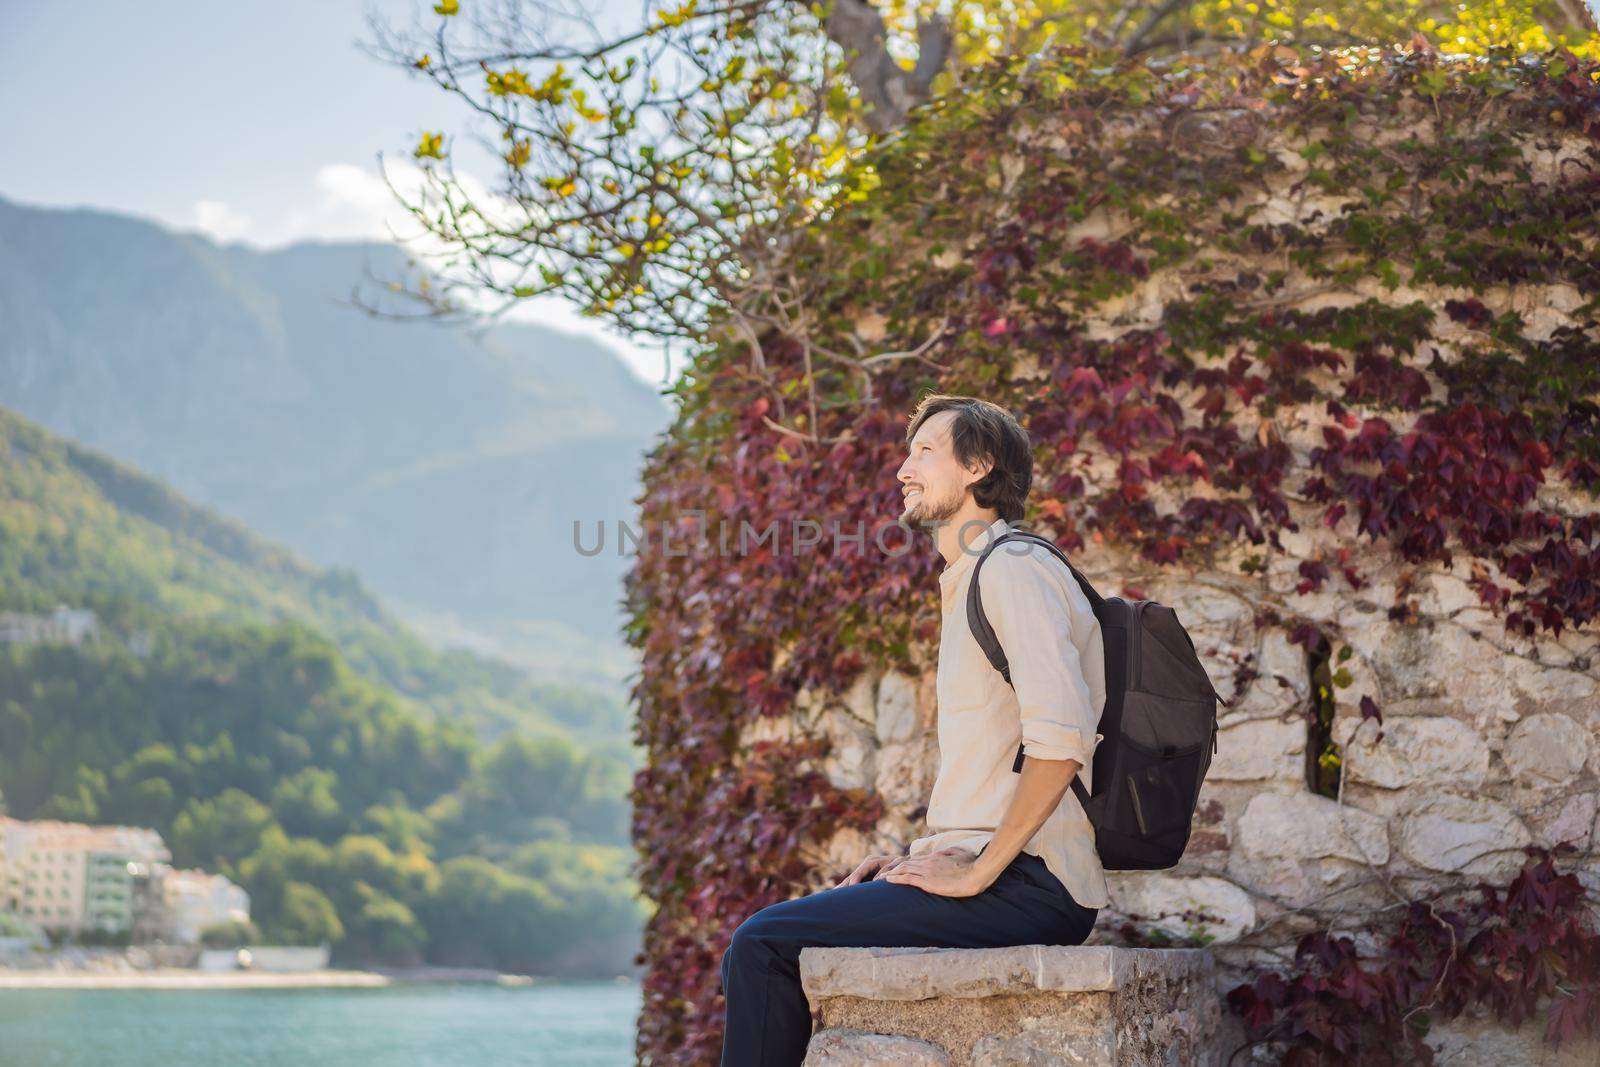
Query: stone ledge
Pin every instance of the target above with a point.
(1089, 1006)
(924, 973)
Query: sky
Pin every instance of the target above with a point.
(247, 120)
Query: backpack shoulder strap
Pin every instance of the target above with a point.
(978, 622)
(984, 633)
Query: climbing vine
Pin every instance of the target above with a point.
(1103, 251)
(1509, 953)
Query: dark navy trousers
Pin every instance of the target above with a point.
(768, 1016)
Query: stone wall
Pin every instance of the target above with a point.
(1489, 742)
(1487, 745)
(1086, 1006)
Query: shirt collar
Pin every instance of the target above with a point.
(964, 560)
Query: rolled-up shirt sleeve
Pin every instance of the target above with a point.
(1025, 603)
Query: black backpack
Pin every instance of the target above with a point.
(1159, 723)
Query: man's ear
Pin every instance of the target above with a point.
(981, 469)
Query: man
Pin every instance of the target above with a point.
(1011, 860)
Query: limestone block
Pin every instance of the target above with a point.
(905, 772)
(1421, 661)
(1282, 681)
(1441, 594)
(844, 849)
(1162, 901)
(1536, 687)
(861, 698)
(1305, 850)
(1202, 607)
(1281, 659)
(1259, 748)
(1307, 826)
(1572, 820)
(767, 728)
(920, 973)
(1029, 1004)
(1416, 750)
(1442, 663)
(851, 762)
(897, 708)
(857, 1048)
(1471, 835)
(1546, 750)
(1049, 1037)
(1478, 1041)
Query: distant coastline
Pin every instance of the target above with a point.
(191, 979)
(195, 978)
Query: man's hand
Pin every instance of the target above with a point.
(869, 868)
(949, 872)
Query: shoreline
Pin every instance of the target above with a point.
(193, 979)
(188, 978)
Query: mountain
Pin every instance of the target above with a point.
(446, 468)
(80, 528)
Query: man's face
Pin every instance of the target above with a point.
(933, 485)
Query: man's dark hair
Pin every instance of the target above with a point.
(979, 431)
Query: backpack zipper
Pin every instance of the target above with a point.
(1134, 642)
(1138, 809)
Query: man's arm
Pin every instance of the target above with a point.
(1033, 621)
(1032, 617)
(1040, 787)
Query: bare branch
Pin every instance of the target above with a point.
(1151, 21)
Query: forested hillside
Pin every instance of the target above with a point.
(256, 751)
(79, 528)
(275, 724)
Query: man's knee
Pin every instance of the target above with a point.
(755, 934)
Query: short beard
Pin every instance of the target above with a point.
(926, 515)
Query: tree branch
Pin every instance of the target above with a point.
(889, 90)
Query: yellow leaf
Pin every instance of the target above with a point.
(680, 16)
(447, 7)
(431, 146)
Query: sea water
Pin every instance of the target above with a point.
(584, 1024)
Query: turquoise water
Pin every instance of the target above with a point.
(578, 1023)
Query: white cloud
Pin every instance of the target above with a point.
(218, 220)
(347, 202)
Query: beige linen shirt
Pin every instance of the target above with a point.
(1054, 646)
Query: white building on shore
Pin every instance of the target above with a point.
(74, 877)
(195, 900)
